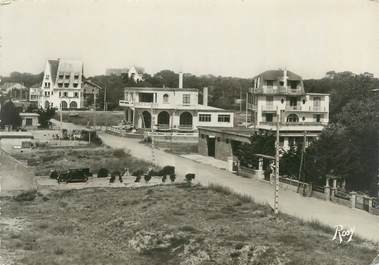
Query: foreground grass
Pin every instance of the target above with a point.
(172, 224)
(103, 118)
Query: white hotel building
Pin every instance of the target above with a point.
(62, 85)
(281, 93)
(172, 109)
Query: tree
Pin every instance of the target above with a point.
(9, 115)
(45, 116)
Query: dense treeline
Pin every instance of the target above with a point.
(222, 90)
(348, 148)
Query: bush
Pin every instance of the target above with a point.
(26, 196)
(102, 173)
(119, 153)
(172, 177)
(147, 178)
(189, 177)
(53, 174)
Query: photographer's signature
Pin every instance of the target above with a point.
(343, 234)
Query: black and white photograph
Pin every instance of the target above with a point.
(191, 132)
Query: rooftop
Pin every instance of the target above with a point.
(160, 89)
(278, 74)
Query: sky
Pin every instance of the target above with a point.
(220, 37)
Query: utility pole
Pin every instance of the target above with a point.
(302, 155)
(247, 103)
(60, 116)
(152, 137)
(276, 193)
(240, 99)
(94, 107)
(105, 96)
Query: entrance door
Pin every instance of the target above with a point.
(211, 146)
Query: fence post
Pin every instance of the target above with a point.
(370, 208)
(327, 190)
(333, 189)
(353, 198)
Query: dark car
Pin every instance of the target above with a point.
(74, 175)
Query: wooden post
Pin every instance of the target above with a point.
(276, 199)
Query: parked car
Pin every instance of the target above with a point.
(74, 175)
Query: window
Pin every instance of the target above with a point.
(47, 77)
(76, 94)
(75, 85)
(28, 121)
(165, 98)
(65, 94)
(47, 84)
(60, 76)
(282, 100)
(292, 118)
(186, 98)
(223, 118)
(218, 139)
(318, 118)
(60, 94)
(67, 76)
(269, 101)
(303, 101)
(293, 102)
(269, 117)
(66, 84)
(205, 117)
(76, 76)
(303, 118)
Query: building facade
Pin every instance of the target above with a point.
(62, 85)
(279, 95)
(171, 109)
(35, 93)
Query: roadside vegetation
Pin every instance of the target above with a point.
(168, 224)
(94, 158)
(85, 118)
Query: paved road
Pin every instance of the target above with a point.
(306, 208)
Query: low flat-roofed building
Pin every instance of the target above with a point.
(218, 142)
(29, 121)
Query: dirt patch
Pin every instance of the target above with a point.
(170, 224)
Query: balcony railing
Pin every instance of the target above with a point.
(279, 90)
(163, 127)
(293, 123)
(268, 108)
(306, 109)
(184, 127)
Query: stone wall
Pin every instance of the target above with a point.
(223, 150)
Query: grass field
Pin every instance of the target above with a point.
(93, 157)
(84, 118)
(171, 224)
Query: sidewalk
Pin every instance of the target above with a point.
(291, 203)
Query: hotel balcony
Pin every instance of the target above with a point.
(293, 126)
(279, 90)
(299, 108)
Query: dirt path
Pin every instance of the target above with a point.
(366, 225)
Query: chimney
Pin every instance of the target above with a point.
(205, 96)
(180, 80)
(285, 77)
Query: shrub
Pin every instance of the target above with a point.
(172, 177)
(189, 177)
(119, 153)
(164, 178)
(53, 174)
(138, 179)
(26, 196)
(147, 178)
(102, 173)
